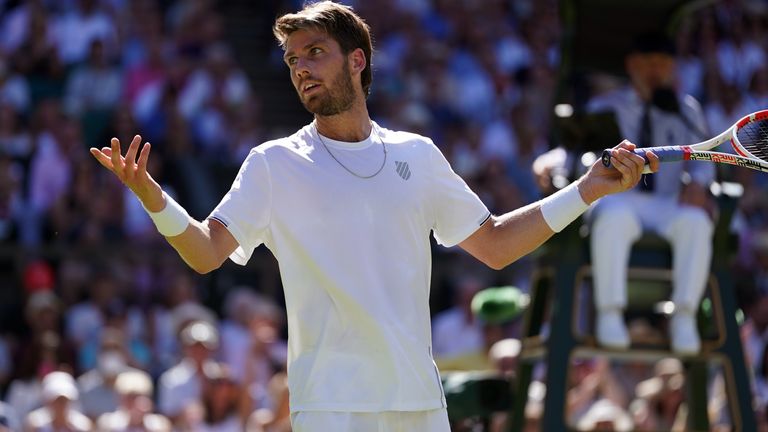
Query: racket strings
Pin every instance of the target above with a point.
(753, 136)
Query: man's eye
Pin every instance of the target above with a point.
(316, 50)
(292, 60)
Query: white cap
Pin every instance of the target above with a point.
(200, 332)
(58, 384)
(605, 410)
(134, 382)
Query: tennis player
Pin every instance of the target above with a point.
(347, 207)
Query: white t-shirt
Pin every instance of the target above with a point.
(355, 260)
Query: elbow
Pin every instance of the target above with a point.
(202, 270)
(497, 262)
(204, 267)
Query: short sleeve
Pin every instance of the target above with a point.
(246, 208)
(458, 211)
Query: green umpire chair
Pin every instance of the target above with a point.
(565, 267)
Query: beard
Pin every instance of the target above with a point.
(339, 96)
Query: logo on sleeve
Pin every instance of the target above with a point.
(402, 170)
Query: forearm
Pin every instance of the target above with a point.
(202, 245)
(519, 232)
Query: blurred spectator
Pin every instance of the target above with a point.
(98, 394)
(36, 57)
(94, 86)
(739, 57)
(118, 336)
(77, 29)
(211, 96)
(250, 342)
(44, 351)
(504, 355)
(14, 89)
(51, 166)
(497, 310)
(177, 305)
(659, 401)
(223, 402)
(148, 71)
(135, 411)
(590, 381)
(181, 387)
(156, 106)
(456, 331)
(11, 214)
(15, 140)
(58, 413)
(85, 320)
(9, 421)
(97, 386)
(605, 415)
(277, 418)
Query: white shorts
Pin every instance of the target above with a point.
(387, 421)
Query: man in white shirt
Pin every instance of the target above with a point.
(347, 207)
(651, 113)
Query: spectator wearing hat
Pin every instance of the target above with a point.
(497, 309)
(98, 393)
(181, 386)
(58, 412)
(605, 415)
(135, 412)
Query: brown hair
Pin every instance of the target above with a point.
(338, 21)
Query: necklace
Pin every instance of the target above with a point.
(384, 162)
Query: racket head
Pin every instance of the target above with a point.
(750, 136)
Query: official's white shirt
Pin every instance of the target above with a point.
(667, 129)
(355, 260)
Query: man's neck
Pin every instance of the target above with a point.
(352, 125)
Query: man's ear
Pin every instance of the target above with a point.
(357, 60)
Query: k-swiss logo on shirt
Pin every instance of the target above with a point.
(402, 170)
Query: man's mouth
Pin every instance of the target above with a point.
(309, 88)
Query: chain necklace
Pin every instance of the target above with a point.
(384, 162)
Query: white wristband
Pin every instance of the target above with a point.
(172, 220)
(563, 207)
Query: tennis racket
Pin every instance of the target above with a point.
(748, 137)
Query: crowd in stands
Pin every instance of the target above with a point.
(102, 327)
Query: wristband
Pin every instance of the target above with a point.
(172, 220)
(563, 207)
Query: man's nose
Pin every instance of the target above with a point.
(302, 68)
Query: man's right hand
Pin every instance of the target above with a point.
(131, 172)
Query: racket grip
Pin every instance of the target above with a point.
(665, 154)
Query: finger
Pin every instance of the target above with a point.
(619, 162)
(626, 144)
(117, 162)
(626, 165)
(103, 159)
(631, 159)
(130, 156)
(653, 160)
(144, 158)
